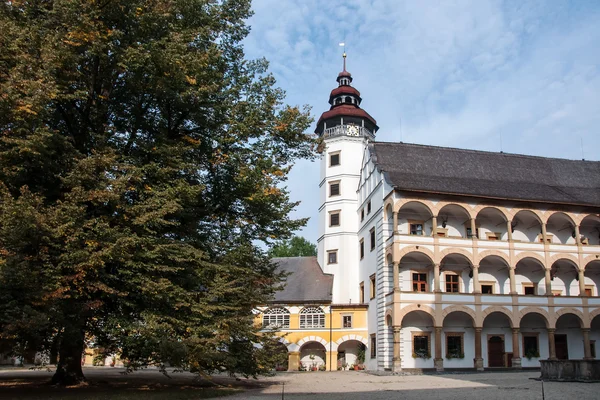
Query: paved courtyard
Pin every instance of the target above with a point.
(349, 385)
(360, 385)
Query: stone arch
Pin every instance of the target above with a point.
(537, 310)
(500, 309)
(564, 256)
(290, 346)
(570, 310)
(417, 307)
(529, 254)
(459, 308)
(502, 210)
(590, 259)
(442, 204)
(537, 213)
(594, 314)
(389, 314)
(307, 339)
(415, 249)
(550, 213)
(488, 253)
(388, 203)
(457, 250)
(402, 202)
(345, 338)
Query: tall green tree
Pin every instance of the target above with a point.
(141, 157)
(294, 247)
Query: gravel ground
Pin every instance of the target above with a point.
(359, 385)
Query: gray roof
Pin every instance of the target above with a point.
(492, 175)
(306, 281)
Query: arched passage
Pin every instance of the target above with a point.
(526, 226)
(312, 356)
(529, 277)
(565, 277)
(533, 327)
(568, 338)
(417, 335)
(589, 228)
(592, 278)
(458, 350)
(491, 224)
(414, 218)
(453, 221)
(494, 276)
(497, 337)
(560, 228)
(416, 272)
(455, 269)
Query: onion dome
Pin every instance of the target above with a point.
(345, 108)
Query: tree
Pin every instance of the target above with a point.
(295, 247)
(141, 157)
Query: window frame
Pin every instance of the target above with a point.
(373, 349)
(362, 248)
(372, 238)
(369, 207)
(339, 217)
(339, 158)
(270, 312)
(488, 283)
(461, 335)
(372, 286)
(339, 188)
(362, 292)
(412, 223)
(426, 281)
(524, 335)
(529, 285)
(458, 281)
(315, 313)
(350, 319)
(336, 257)
(415, 334)
(362, 214)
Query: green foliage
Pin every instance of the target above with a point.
(141, 157)
(295, 247)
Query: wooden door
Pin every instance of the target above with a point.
(496, 351)
(562, 350)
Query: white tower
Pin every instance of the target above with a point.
(345, 130)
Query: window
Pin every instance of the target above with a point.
(312, 317)
(593, 348)
(487, 288)
(528, 288)
(362, 214)
(372, 234)
(455, 345)
(334, 159)
(589, 291)
(416, 229)
(493, 235)
(332, 257)
(347, 321)
(419, 282)
(362, 292)
(334, 218)
(556, 293)
(373, 346)
(362, 248)
(369, 207)
(334, 188)
(470, 234)
(372, 278)
(421, 345)
(452, 283)
(276, 318)
(530, 345)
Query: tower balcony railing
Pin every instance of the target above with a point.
(348, 130)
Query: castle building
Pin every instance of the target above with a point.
(441, 258)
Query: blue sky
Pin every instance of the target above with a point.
(524, 75)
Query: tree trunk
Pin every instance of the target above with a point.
(68, 370)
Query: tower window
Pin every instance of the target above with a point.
(334, 159)
(334, 218)
(332, 257)
(334, 188)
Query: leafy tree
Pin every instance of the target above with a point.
(141, 156)
(295, 247)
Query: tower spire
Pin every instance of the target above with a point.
(344, 55)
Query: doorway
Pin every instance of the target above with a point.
(495, 351)
(562, 350)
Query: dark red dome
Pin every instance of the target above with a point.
(345, 73)
(344, 90)
(346, 110)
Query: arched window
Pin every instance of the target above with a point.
(276, 317)
(312, 317)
